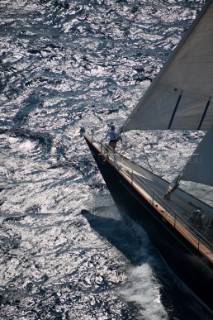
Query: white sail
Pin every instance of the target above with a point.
(180, 97)
(199, 168)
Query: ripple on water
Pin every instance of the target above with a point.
(65, 252)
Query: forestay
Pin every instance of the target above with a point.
(180, 97)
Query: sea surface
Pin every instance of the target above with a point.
(65, 251)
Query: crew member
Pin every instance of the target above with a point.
(114, 137)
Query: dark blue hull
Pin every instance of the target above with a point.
(184, 259)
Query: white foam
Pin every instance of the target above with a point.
(144, 290)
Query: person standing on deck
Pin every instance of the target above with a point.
(114, 137)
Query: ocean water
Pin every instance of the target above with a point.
(65, 251)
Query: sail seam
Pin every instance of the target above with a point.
(204, 114)
(175, 110)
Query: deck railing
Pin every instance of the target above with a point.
(198, 237)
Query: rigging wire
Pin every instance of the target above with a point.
(125, 147)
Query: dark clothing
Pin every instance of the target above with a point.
(113, 139)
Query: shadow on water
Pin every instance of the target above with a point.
(117, 234)
(175, 297)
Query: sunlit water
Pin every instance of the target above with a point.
(65, 251)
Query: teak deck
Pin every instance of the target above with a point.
(177, 211)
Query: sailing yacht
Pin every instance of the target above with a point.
(179, 224)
